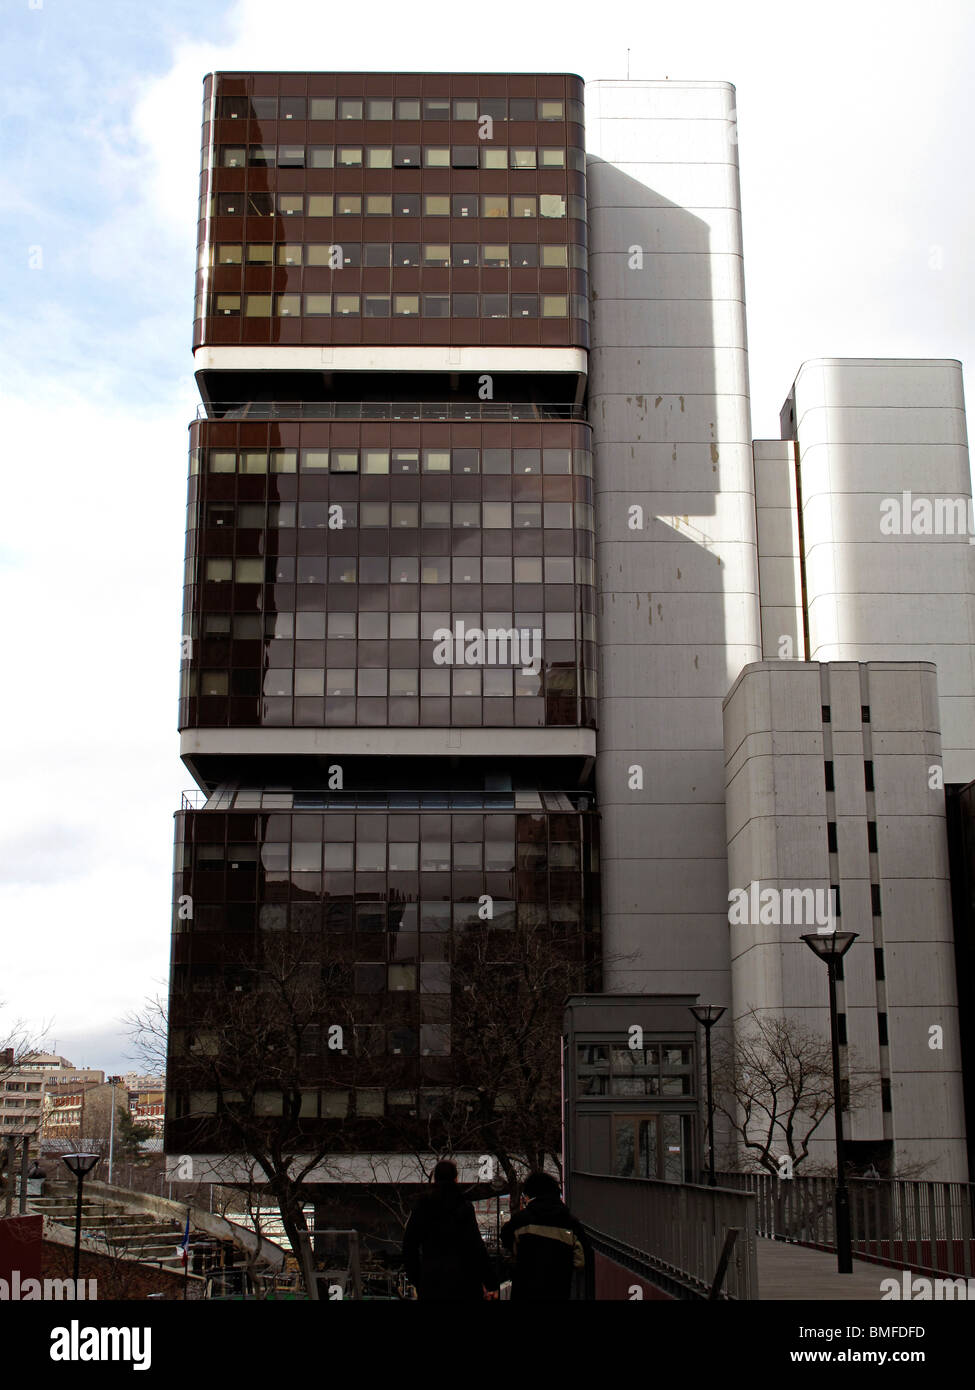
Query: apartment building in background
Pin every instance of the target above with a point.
(475, 435)
(25, 1084)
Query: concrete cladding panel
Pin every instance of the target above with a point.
(887, 520)
(676, 544)
(829, 772)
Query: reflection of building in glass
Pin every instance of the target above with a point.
(389, 691)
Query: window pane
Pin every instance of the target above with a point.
(555, 306)
(494, 306)
(350, 109)
(494, 205)
(258, 306)
(377, 306)
(290, 204)
(350, 156)
(407, 108)
(436, 460)
(555, 255)
(345, 460)
(346, 304)
(288, 304)
(551, 205)
(318, 303)
(465, 306)
(436, 306)
(524, 306)
(320, 205)
(227, 304)
(375, 461)
(521, 109)
(291, 156)
(406, 253)
(406, 304)
(552, 159)
(379, 157)
(232, 156)
(524, 254)
(464, 156)
(378, 205)
(321, 109)
(436, 205)
(464, 205)
(289, 253)
(494, 159)
(407, 205)
(522, 158)
(495, 255)
(523, 206)
(436, 109)
(348, 204)
(229, 255)
(314, 460)
(321, 157)
(436, 254)
(379, 109)
(436, 157)
(406, 156)
(259, 253)
(550, 110)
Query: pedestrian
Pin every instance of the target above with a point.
(443, 1253)
(548, 1244)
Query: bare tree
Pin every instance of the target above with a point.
(773, 1082)
(254, 1050)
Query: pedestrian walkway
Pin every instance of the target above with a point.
(795, 1272)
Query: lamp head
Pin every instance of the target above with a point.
(830, 946)
(707, 1014)
(80, 1164)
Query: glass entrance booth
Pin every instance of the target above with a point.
(632, 1086)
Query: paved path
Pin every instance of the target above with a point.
(793, 1272)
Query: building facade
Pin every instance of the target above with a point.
(480, 549)
(389, 684)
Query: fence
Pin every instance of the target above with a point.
(674, 1230)
(924, 1225)
(391, 410)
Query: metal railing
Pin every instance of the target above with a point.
(390, 410)
(925, 1225)
(675, 1231)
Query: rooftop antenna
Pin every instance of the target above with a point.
(627, 65)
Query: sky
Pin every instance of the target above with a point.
(854, 130)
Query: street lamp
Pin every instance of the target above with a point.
(707, 1016)
(81, 1165)
(831, 947)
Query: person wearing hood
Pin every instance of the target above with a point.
(443, 1253)
(547, 1243)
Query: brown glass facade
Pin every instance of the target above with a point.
(393, 886)
(401, 209)
(324, 556)
(383, 542)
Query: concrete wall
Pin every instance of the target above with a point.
(778, 805)
(870, 430)
(678, 611)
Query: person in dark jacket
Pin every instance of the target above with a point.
(548, 1244)
(443, 1253)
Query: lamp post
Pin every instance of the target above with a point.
(707, 1016)
(80, 1165)
(831, 947)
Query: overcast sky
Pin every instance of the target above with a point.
(855, 126)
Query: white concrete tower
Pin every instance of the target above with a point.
(675, 518)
